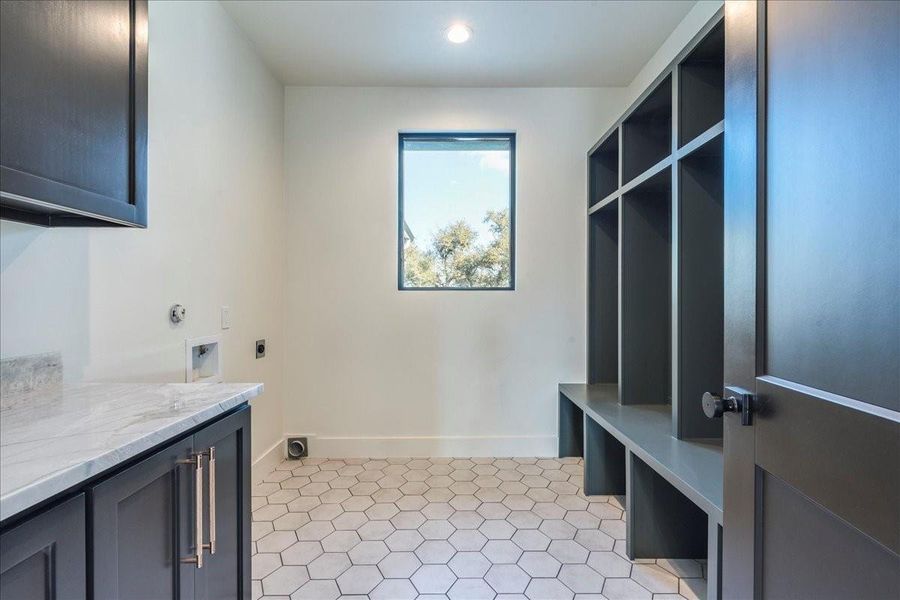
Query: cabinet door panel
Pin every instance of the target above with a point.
(226, 573)
(141, 529)
(73, 108)
(44, 557)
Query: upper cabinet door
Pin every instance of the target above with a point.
(73, 112)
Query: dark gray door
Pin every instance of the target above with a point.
(226, 495)
(812, 310)
(44, 556)
(143, 527)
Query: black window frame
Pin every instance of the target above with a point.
(458, 135)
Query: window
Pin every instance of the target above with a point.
(457, 211)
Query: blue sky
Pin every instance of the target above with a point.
(443, 186)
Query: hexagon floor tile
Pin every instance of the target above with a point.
(463, 528)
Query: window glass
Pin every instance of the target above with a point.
(457, 211)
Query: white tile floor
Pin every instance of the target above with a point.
(463, 529)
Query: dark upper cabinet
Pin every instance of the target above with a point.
(73, 112)
(44, 557)
(225, 446)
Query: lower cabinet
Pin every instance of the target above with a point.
(44, 557)
(141, 528)
(175, 525)
(226, 564)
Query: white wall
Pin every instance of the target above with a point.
(375, 371)
(216, 234)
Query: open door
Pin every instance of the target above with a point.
(812, 300)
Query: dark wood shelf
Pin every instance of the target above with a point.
(604, 168)
(655, 313)
(603, 295)
(692, 467)
(647, 131)
(603, 203)
(700, 283)
(701, 83)
(702, 140)
(692, 146)
(646, 280)
(665, 255)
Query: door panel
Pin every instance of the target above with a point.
(226, 573)
(832, 280)
(146, 515)
(809, 553)
(847, 459)
(141, 529)
(44, 556)
(832, 201)
(812, 299)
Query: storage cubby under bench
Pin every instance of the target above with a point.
(672, 487)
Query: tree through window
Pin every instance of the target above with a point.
(457, 211)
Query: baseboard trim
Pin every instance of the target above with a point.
(267, 462)
(390, 446)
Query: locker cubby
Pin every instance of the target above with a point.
(700, 327)
(604, 169)
(646, 279)
(604, 461)
(603, 295)
(662, 522)
(701, 83)
(673, 488)
(571, 428)
(655, 307)
(647, 132)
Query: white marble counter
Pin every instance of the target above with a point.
(55, 438)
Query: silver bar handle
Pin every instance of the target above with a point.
(197, 558)
(211, 546)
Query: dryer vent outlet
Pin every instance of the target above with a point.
(297, 448)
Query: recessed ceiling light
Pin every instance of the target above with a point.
(459, 33)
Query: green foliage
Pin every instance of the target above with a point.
(454, 258)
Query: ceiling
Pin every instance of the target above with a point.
(401, 43)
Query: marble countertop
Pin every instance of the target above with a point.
(54, 438)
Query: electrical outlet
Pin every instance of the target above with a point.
(226, 317)
(260, 348)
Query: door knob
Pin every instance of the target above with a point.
(714, 405)
(738, 400)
